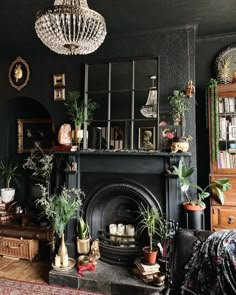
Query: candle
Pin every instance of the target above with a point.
(129, 230)
(57, 261)
(65, 260)
(120, 231)
(113, 230)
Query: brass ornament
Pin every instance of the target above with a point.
(19, 73)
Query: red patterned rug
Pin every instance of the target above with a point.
(12, 287)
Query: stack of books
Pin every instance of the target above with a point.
(145, 272)
(5, 215)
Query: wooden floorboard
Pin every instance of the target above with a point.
(24, 270)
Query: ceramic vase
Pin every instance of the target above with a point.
(62, 251)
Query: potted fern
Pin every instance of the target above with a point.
(150, 221)
(83, 239)
(8, 173)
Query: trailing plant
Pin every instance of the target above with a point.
(218, 186)
(40, 163)
(60, 208)
(8, 173)
(212, 85)
(75, 108)
(151, 220)
(82, 229)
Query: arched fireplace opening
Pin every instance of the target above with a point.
(117, 204)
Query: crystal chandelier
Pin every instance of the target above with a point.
(149, 110)
(70, 27)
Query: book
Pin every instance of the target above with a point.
(145, 278)
(146, 269)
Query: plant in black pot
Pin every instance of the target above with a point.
(151, 221)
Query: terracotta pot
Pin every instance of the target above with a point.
(190, 207)
(150, 257)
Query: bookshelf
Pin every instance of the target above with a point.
(222, 135)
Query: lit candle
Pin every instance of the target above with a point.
(65, 260)
(113, 230)
(57, 261)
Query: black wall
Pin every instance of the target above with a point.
(175, 47)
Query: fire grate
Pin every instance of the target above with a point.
(118, 249)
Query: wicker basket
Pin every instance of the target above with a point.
(19, 248)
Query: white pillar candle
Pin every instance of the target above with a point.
(57, 261)
(120, 231)
(65, 260)
(129, 230)
(113, 230)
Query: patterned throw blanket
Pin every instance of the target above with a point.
(212, 269)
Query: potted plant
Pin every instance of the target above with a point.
(150, 220)
(8, 173)
(196, 201)
(180, 105)
(59, 209)
(75, 108)
(83, 239)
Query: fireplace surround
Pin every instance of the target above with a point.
(115, 184)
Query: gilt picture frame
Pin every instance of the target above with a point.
(35, 131)
(19, 73)
(59, 80)
(59, 94)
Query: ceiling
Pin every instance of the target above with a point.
(122, 17)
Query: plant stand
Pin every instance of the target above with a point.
(194, 219)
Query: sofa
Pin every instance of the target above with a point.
(183, 248)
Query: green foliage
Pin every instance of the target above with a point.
(60, 208)
(151, 220)
(75, 108)
(82, 229)
(8, 172)
(179, 103)
(40, 163)
(218, 186)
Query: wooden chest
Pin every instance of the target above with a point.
(20, 248)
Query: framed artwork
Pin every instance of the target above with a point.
(167, 133)
(147, 138)
(232, 132)
(32, 131)
(59, 80)
(19, 73)
(59, 94)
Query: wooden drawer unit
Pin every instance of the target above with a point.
(223, 217)
(20, 248)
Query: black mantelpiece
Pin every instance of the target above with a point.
(146, 171)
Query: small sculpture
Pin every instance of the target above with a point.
(94, 252)
(18, 74)
(190, 89)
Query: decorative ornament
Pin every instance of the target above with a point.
(19, 73)
(190, 89)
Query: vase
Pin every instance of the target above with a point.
(62, 251)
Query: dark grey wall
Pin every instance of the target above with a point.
(175, 47)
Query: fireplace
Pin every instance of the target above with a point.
(115, 184)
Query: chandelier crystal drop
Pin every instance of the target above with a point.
(149, 110)
(70, 27)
